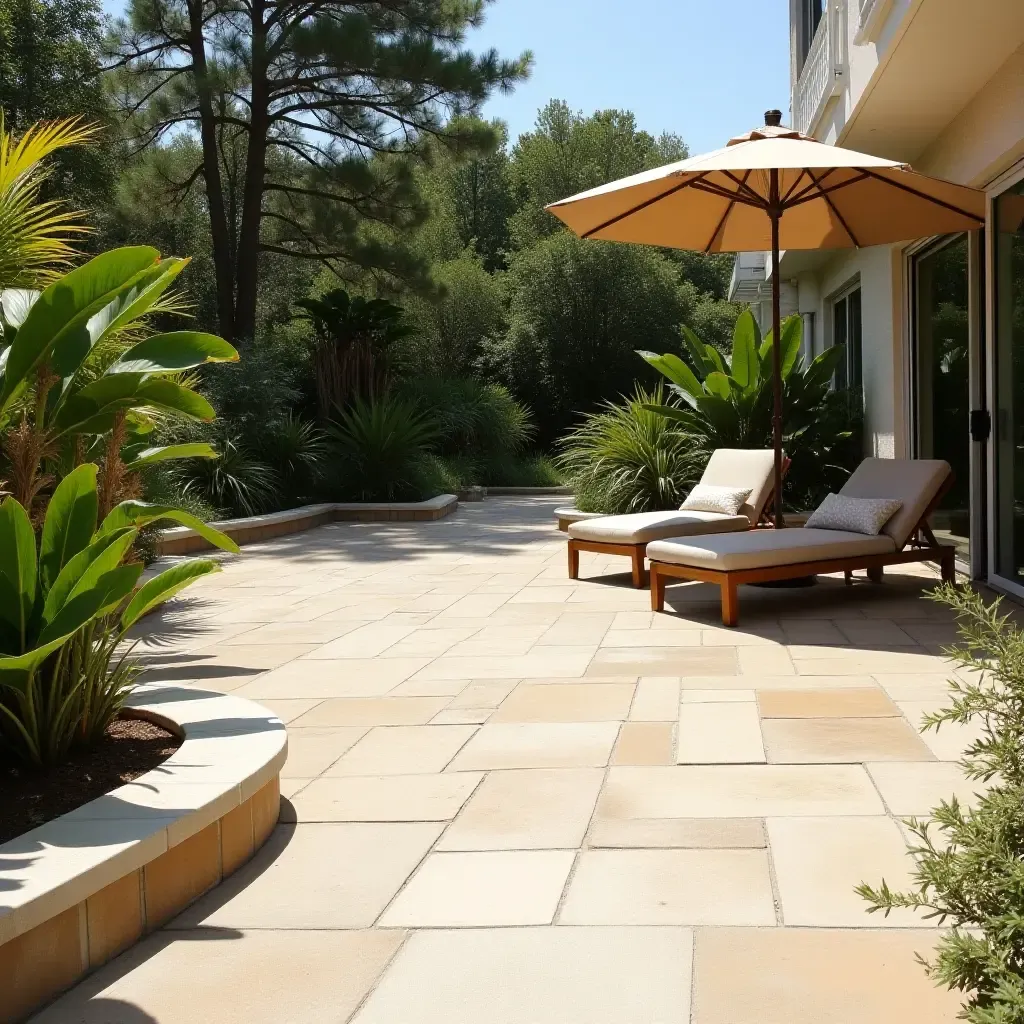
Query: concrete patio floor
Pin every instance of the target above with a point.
(517, 799)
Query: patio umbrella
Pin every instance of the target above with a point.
(773, 188)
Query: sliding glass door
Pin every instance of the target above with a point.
(942, 397)
(1008, 340)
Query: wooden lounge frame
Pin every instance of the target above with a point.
(637, 552)
(922, 546)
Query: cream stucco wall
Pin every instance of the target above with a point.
(987, 136)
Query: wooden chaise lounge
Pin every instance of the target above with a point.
(630, 534)
(765, 555)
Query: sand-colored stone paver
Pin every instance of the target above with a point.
(725, 733)
(819, 861)
(583, 702)
(656, 700)
(685, 833)
(483, 817)
(543, 745)
(915, 788)
(532, 809)
(497, 887)
(537, 976)
(316, 876)
(403, 750)
(815, 975)
(232, 977)
(645, 743)
(841, 740)
(671, 886)
(857, 702)
(435, 797)
(737, 791)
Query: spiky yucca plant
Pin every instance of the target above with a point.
(628, 458)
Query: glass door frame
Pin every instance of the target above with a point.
(977, 363)
(995, 189)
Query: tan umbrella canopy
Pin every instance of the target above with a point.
(773, 189)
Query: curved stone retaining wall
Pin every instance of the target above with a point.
(79, 890)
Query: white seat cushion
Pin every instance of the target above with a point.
(641, 527)
(759, 548)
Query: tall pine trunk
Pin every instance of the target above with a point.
(248, 263)
(219, 229)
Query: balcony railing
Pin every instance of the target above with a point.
(822, 70)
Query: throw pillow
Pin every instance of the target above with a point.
(711, 498)
(855, 515)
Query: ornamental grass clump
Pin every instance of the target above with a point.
(969, 864)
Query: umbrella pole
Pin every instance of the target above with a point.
(774, 213)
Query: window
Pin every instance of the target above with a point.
(810, 13)
(846, 331)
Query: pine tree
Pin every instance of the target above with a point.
(332, 102)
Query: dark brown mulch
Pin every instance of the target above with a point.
(130, 748)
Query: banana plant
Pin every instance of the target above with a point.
(729, 401)
(49, 361)
(76, 576)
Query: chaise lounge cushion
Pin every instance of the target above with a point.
(760, 548)
(915, 482)
(743, 467)
(642, 527)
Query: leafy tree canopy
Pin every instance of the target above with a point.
(331, 100)
(50, 71)
(569, 152)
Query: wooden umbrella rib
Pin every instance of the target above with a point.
(723, 218)
(742, 185)
(980, 221)
(642, 206)
(724, 193)
(832, 207)
(793, 187)
(792, 196)
(805, 198)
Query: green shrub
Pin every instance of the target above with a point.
(628, 458)
(514, 470)
(237, 483)
(66, 601)
(971, 874)
(297, 450)
(378, 447)
(578, 308)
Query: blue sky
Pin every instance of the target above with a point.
(705, 69)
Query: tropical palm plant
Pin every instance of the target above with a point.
(66, 603)
(353, 338)
(630, 458)
(728, 402)
(55, 401)
(35, 236)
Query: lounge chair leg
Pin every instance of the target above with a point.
(848, 576)
(730, 603)
(639, 575)
(657, 590)
(948, 565)
(574, 562)
(876, 574)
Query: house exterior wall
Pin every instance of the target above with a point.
(938, 84)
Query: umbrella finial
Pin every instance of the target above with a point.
(773, 118)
